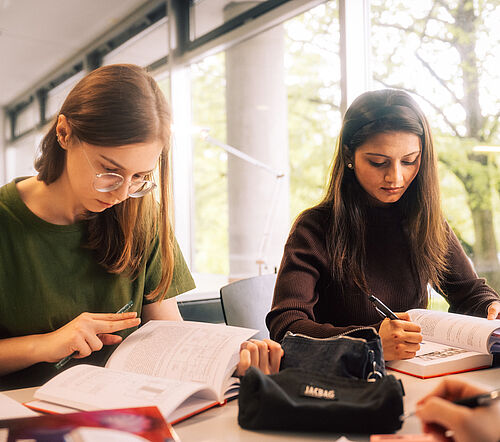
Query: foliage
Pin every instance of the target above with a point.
(442, 52)
(210, 167)
(313, 84)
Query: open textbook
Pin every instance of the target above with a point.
(452, 343)
(180, 367)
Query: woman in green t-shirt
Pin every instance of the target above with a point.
(85, 234)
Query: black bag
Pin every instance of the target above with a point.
(355, 354)
(337, 384)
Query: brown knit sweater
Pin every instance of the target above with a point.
(307, 300)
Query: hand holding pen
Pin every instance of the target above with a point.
(382, 308)
(461, 410)
(400, 337)
(88, 332)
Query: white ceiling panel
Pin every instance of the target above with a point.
(37, 36)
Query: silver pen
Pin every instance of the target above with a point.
(66, 359)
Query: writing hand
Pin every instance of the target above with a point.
(440, 416)
(87, 333)
(266, 355)
(494, 310)
(400, 338)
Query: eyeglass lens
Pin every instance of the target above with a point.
(107, 182)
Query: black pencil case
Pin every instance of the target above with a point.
(336, 384)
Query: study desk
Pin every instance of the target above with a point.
(220, 424)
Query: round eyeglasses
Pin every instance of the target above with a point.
(109, 181)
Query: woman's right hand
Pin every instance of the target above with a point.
(85, 334)
(400, 338)
(440, 416)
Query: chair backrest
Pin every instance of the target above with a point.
(245, 303)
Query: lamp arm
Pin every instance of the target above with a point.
(243, 156)
(278, 175)
(271, 215)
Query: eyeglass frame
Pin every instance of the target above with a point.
(117, 175)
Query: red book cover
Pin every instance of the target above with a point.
(125, 424)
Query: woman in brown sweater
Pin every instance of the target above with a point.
(379, 230)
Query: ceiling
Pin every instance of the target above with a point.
(37, 36)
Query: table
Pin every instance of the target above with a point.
(220, 423)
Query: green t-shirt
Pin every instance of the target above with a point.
(47, 279)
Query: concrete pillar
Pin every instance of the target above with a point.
(256, 103)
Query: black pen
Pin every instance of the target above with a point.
(382, 308)
(479, 400)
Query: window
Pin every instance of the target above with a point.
(443, 53)
(275, 97)
(206, 15)
(210, 166)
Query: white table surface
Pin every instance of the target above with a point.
(220, 424)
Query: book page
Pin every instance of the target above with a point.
(185, 351)
(88, 387)
(432, 351)
(10, 408)
(49, 407)
(434, 359)
(468, 332)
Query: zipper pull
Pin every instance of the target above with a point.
(374, 375)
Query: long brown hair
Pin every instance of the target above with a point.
(117, 105)
(371, 113)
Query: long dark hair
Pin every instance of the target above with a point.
(117, 105)
(371, 113)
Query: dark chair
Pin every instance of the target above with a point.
(245, 303)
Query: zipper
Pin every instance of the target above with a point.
(332, 338)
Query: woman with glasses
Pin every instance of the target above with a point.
(86, 236)
(378, 231)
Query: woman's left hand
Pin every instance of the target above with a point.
(265, 355)
(494, 310)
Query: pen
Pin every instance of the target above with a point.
(126, 307)
(66, 359)
(480, 400)
(382, 308)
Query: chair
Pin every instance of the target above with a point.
(245, 303)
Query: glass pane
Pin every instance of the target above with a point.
(313, 86)
(210, 166)
(275, 98)
(206, 15)
(56, 96)
(445, 53)
(143, 49)
(27, 119)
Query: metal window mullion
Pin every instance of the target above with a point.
(356, 77)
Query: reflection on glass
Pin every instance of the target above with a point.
(206, 15)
